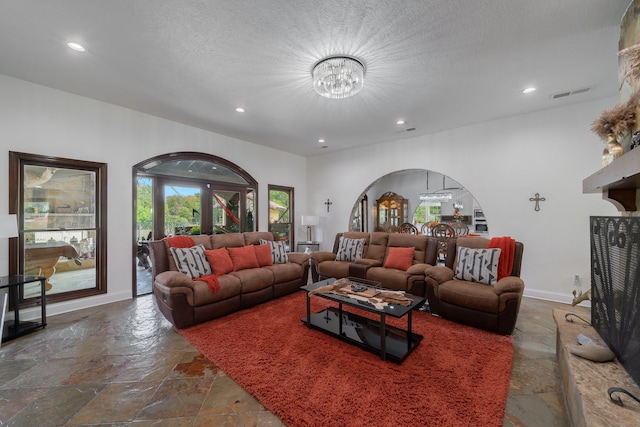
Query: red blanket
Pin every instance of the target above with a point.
(187, 242)
(180, 241)
(212, 281)
(507, 247)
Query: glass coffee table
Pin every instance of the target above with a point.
(390, 342)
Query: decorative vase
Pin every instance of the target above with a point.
(612, 150)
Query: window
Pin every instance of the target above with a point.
(281, 214)
(61, 207)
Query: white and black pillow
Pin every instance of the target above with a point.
(278, 251)
(478, 265)
(349, 249)
(191, 261)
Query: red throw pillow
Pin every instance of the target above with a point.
(400, 258)
(263, 254)
(243, 257)
(219, 260)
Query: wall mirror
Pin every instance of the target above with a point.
(429, 197)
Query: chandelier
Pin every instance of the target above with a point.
(338, 77)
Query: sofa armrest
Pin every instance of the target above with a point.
(174, 279)
(417, 269)
(322, 256)
(298, 258)
(438, 273)
(368, 262)
(509, 284)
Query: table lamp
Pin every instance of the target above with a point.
(309, 220)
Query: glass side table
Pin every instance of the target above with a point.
(15, 285)
(312, 246)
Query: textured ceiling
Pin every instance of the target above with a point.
(437, 64)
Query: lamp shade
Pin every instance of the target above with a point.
(309, 220)
(8, 226)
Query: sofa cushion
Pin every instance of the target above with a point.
(470, 295)
(477, 265)
(263, 254)
(219, 260)
(350, 249)
(278, 251)
(399, 258)
(191, 261)
(285, 272)
(419, 243)
(228, 240)
(229, 287)
(337, 269)
(243, 258)
(254, 279)
(377, 247)
(389, 278)
(254, 237)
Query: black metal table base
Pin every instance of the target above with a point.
(389, 342)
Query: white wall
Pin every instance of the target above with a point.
(502, 163)
(39, 120)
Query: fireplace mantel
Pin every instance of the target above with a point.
(619, 182)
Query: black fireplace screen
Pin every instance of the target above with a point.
(615, 287)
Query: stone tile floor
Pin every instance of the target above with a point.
(122, 364)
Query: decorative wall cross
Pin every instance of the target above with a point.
(328, 203)
(537, 199)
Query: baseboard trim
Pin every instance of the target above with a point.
(553, 296)
(32, 313)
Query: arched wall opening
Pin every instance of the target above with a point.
(429, 196)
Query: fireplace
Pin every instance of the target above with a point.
(615, 287)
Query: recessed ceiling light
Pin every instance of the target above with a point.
(529, 90)
(240, 110)
(76, 46)
(400, 122)
(321, 141)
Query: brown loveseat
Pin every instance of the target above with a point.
(494, 308)
(370, 265)
(185, 302)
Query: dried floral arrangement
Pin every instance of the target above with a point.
(618, 120)
(632, 55)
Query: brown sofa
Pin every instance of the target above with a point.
(371, 265)
(494, 308)
(185, 302)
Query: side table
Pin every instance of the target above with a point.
(312, 246)
(16, 327)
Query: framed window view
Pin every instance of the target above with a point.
(61, 208)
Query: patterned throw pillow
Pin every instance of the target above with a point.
(278, 251)
(191, 261)
(350, 249)
(478, 265)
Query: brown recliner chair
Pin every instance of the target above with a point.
(494, 308)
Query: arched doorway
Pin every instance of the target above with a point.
(187, 193)
(431, 197)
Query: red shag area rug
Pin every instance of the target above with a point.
(457, 375)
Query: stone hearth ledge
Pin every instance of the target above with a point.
(585, 383)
